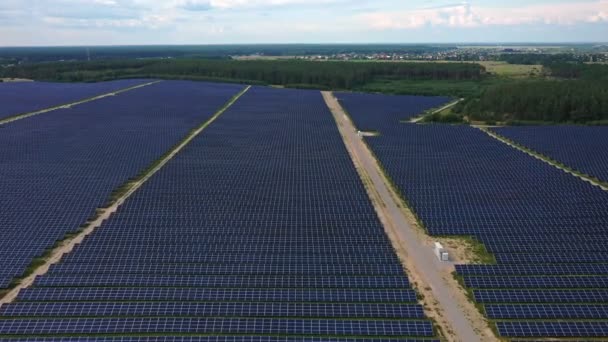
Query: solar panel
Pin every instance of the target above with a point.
(546, 228)
(546, 311)
(226, 259)
(542, 296)
(215, 281)
(205, 294)
(212, 339)
(377, 112)
(26, 97)
(216, 326)
(260, 226)
(552, 329)
(57, 169)
(579, 269)
(259, 269)
(184, 309)
(537, 282)
(551, 258)
(581, 148)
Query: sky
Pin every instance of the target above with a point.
(143, 22)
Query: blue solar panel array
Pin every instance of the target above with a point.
(26, 97)
(547, 228)
(57, 169)
(209, 339)
(377, 112)
(581, 148)
(260, 227)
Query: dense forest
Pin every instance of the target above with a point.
(578, 71)
(575, 92)
(578, 101)
(547, 59)
(295, 73)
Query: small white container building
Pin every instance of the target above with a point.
(441, 253)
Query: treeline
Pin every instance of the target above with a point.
(48, 54)
(569, 66)
(545, 59)
(579, 71)
(333, 75)
(578, 101)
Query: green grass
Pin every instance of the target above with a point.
(504, 69)
(481, 255)
(446, 116)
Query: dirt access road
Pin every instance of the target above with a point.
(444, 301)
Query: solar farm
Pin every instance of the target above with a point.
(262, 227)
(545, 227)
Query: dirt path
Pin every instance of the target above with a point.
(104, 214)
(449, 105)
(540, 157)
(443, 299)
(69, 105)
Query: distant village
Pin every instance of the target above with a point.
(483, 53)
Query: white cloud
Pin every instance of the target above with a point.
(466, 15)
(242, 4)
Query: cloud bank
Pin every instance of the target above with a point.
(466, 15)
(65, 22)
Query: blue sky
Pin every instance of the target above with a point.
(124, 22)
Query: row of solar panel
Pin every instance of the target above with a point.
(318, 249)
(259, 269)
(571, 282)
(241, 258)
(215, 281)
(298, 310)
(551, 258)
(553, 329)
(547, 311)
(591, 296)
(578, 269)
(216, 326)
(231, 240)
(210, 339)
(212, 294)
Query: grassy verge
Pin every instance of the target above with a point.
(445, 116)
(471, 297)
(548, 159)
